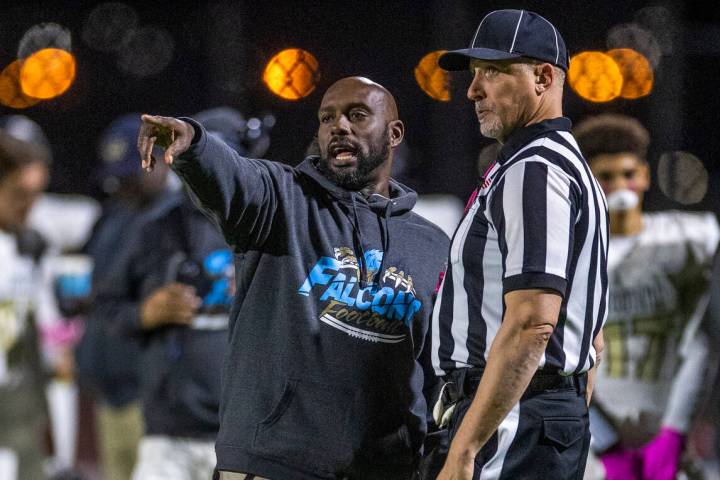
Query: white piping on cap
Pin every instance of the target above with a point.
(517, 27)
(472, 44)
(557, 47)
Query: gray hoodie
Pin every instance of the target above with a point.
(323, 379)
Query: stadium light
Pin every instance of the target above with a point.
(636, 71)
(432, 79)
(292, 74)
(47, 73)
(11, 95)
(595, 76)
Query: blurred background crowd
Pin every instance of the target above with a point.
(78, 310)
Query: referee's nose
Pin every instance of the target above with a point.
(476, 91)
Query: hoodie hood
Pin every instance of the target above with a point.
(402, 200)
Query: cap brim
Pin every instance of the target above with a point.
(460, 59)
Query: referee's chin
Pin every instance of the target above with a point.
(492, 129)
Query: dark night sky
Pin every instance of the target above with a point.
(381, 40)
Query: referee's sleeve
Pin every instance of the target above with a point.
(534, 209)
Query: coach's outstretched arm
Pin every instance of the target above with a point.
(238, 193)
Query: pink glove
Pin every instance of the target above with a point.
(660, 456)
(622, 464)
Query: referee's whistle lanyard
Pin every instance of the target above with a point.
(488, 170)
(482, 185)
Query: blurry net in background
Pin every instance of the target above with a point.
(44, 35)
(107, 25)
(142, 51)
(228, 47)
(631, 35)
(682, 177)
(146, 51)
(661, 22)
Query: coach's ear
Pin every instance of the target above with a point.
(396, 130)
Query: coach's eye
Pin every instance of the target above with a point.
(357, 115)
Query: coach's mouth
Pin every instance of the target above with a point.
(343, 155)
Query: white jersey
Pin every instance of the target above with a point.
(445, 211)
(65, 221)
(26, 291)
(655, 352)
(18, 278)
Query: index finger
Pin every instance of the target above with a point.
(157, 120)
(146, 142)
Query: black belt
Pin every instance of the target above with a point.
(466, 381)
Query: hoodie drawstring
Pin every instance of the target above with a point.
(358, 240)
(358, 245)
(385, 235)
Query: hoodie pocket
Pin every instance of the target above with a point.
(310, 426)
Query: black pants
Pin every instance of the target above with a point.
(545, 436)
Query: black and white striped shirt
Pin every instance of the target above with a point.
(539, 220)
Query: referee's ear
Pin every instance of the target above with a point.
(545, 77)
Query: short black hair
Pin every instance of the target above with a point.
(16, 154)
(611, 133)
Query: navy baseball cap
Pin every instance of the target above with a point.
(509, 34)
(117, 148)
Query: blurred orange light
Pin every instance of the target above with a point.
(47, 73)
(433, 80)
(291, 74)
(595, 76)
(11, 95)
(636, 71)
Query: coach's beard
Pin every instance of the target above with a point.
(361, 176)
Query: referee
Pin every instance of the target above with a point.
(517, 323)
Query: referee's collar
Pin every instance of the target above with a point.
(524, 135)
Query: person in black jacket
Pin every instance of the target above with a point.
(107, 364)
(323, 379)
(184, 289)
(176, 303)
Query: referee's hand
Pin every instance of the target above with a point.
(170, 133)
